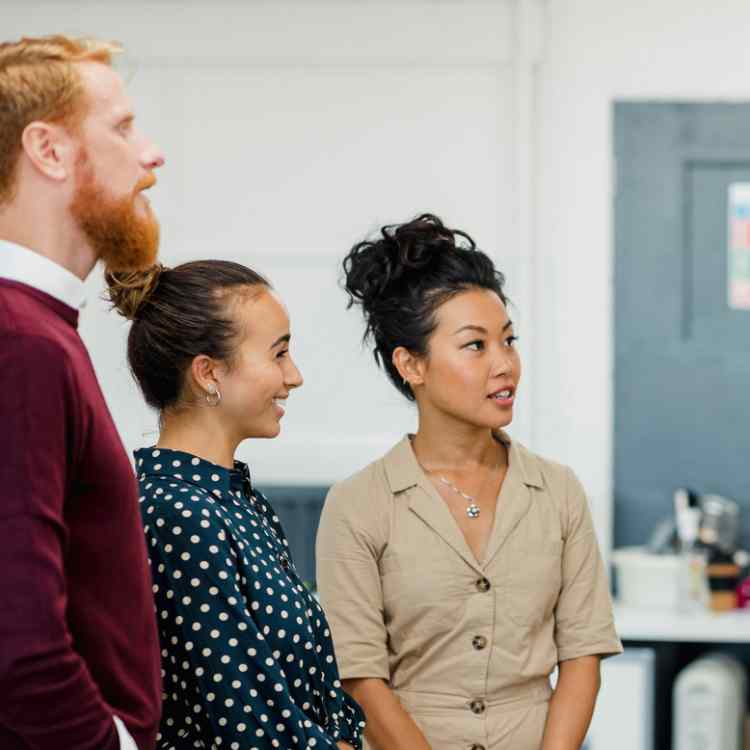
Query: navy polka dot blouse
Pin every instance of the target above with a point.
(247, 656)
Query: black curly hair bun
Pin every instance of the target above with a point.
(404, 274)
(401, 251)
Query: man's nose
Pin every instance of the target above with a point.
(153, 157)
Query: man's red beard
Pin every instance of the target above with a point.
(121, 237)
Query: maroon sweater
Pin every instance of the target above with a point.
(78, 639)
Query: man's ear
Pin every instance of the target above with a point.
(49, 148)
(410, 367)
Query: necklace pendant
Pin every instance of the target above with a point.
(473, 510)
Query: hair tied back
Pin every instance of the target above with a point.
(129, 291)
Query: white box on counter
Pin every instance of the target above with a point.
(645, 579)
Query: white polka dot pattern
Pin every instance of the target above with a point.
(247, 656)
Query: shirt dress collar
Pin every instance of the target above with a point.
(405, 475)
(164, 462)
(403, 470)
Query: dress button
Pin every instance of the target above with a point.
(482, 585)
(477, 707)
(479, 642)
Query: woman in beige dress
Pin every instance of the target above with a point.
(460, 569)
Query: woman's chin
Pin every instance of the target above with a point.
(267, 432)
(494, 421)
(498, 423)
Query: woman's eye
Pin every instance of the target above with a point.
(511, 340)
(282, 354)
(476, 346)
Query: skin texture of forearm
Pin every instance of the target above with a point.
(572, 705)
(389, 726)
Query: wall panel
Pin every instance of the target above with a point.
(291, 130)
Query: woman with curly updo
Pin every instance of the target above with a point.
(460, 569)
(247, 659)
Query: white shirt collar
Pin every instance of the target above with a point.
(18, 263)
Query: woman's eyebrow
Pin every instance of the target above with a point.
(480, 329)
(281, 340)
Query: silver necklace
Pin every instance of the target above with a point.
(472, 509)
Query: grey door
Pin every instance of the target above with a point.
(682, 364)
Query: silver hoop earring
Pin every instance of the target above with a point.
(213, 396)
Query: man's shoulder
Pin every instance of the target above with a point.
(31, 350)
(25, 309)
(29, 333)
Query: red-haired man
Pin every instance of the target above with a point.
(79, 659)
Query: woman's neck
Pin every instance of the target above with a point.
(202, 437)
(448, 445)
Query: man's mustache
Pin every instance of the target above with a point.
(145, 183)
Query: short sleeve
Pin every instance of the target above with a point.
(584, 621)
(348, 578)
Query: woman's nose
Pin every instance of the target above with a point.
(294, 377)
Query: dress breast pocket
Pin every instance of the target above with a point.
(531, 576)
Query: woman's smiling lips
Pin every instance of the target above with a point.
(503, 397)
(280, 411)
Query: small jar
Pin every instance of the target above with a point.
(723, 578)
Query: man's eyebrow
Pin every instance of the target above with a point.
(281, 340)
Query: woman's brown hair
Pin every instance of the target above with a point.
(178, 313)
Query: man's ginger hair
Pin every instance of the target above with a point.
(40, 81)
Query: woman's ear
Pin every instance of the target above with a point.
(410, 367)
(204, 374)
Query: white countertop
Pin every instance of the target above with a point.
(665, 625)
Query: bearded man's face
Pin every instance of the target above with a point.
(115, 163)
(122, 230)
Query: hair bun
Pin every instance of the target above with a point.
(129, 291)
(403, 276)
(374, 266)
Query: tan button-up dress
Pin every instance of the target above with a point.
(467, 646)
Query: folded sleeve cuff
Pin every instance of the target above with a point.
(603, 649)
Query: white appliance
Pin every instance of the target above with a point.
(624, 714)
(709, 705)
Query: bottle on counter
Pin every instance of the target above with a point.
(694, 594)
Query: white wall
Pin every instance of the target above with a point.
(597, 51)
(291, 128)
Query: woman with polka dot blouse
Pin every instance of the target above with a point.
(247, 656)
